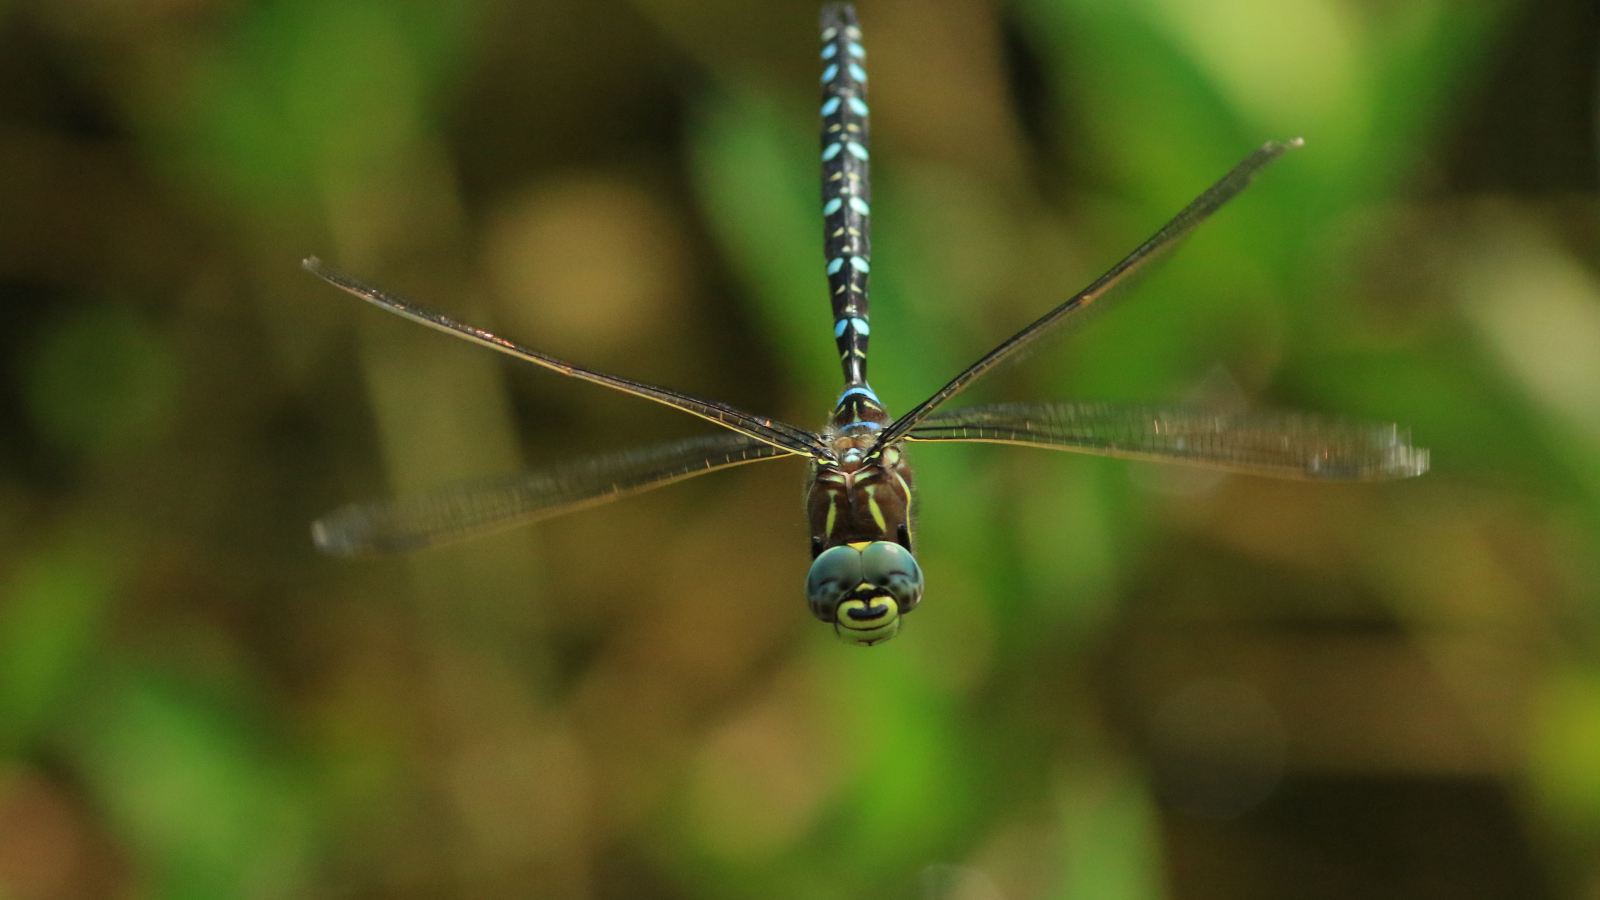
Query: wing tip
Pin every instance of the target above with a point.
(338, 539)
(1397, 462)
(1411, 462)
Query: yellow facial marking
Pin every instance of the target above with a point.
(888, 610)
(866, 632)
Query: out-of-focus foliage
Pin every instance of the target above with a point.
(1126, 681)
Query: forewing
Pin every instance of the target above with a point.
(1105, 289)
(770, 431)
(1255, 442)
(478, 507)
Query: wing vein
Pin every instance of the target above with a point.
(769, 431)
(1156, 247)
(1256, 442)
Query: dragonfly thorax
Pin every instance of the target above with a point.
(864, 494)
(852, 451)
(861, 492)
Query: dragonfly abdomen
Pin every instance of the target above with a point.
(846, 186)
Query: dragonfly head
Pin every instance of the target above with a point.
(863, 589)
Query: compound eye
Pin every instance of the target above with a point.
(834, 574)
(894, 570)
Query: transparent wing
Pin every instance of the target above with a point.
(1106, 288)
(769, 431)
(491, 504)
(1255, 442)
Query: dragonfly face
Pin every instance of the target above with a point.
(863, 578)
(864, 589)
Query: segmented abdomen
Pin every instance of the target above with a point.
(846, 187)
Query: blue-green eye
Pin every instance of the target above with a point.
(863, 589)
(834, 574)
(893, 568)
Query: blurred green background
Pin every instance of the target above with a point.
(1126, 682)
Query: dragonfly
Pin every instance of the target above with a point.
(864, 576)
